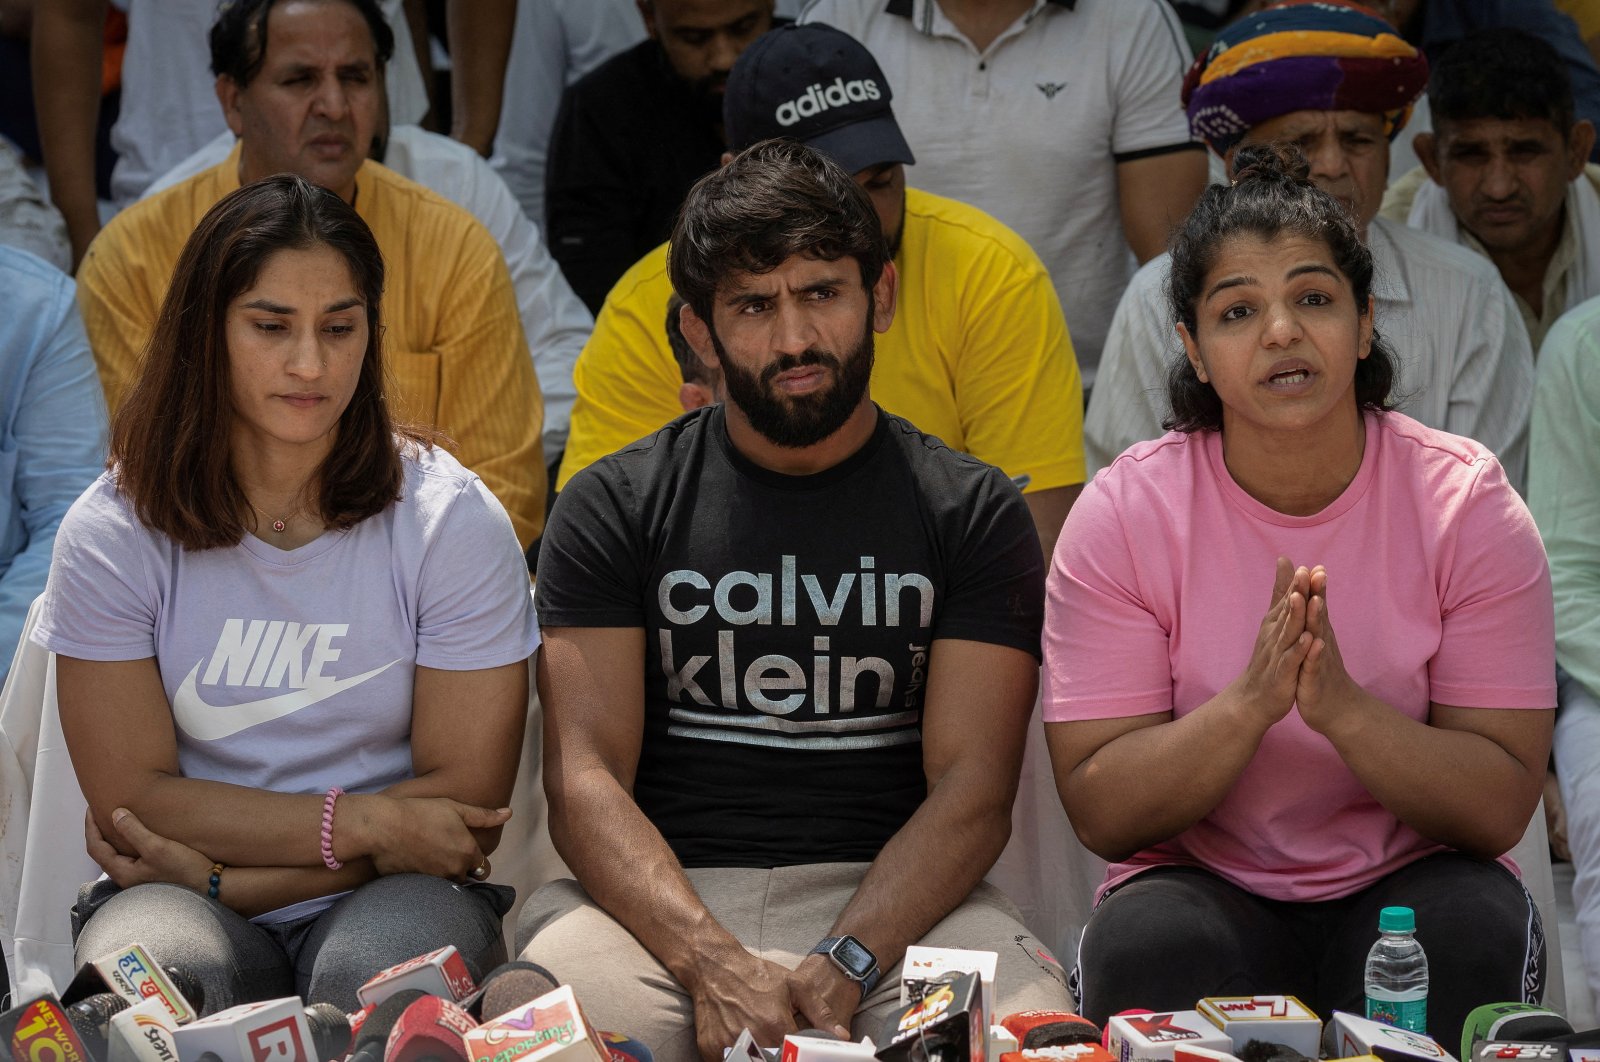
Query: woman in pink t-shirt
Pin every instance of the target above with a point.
(1299, 654)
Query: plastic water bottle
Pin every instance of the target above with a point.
(1397, 973)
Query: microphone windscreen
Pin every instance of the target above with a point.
(374, 1035)
(1050, 1028)
(187, 983)
(330, 1030)
(1511, 1021)
(431, 1029)
(509, 986)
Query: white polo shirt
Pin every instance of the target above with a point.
(1030, 130)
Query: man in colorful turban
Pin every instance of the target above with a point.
(1335, 79)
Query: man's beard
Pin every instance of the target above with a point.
(799, 421)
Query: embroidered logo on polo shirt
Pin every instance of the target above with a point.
(275, 654)
(1050, 88)
(820, 97)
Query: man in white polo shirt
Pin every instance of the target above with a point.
(1061, 118)
(1466, 366)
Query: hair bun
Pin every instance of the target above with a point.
(1270, 162)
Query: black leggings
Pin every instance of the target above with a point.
(1175, 935)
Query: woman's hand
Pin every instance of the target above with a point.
(421, 835)
(1325, 687)
(155, 858)
(1269, 682)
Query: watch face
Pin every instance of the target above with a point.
(857, 960)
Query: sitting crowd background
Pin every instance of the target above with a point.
(521, 164)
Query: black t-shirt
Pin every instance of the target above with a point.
(630, 140)
(787, 624)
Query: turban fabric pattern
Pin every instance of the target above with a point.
(1319, 55)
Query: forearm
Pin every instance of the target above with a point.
(929, 866)
(481, 43)
(66, 77)
(1435, 779)
(624, 863)
(1151, 784)
(252, 891)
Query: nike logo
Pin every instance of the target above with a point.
(209, 722)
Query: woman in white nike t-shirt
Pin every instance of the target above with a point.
(291, 636)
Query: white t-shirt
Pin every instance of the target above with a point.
(1031, 130)
(1465, 363)
(292, 670)
(169, 99)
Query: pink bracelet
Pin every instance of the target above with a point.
(327, 829)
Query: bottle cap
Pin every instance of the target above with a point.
(1397, 920)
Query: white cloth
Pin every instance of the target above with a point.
(555, 321)
(1031, 130)
(1431, 213)
(1466, 366)
(1577, 751)
(169, 102)
(554, 43)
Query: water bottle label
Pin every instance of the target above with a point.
(1409, 1014)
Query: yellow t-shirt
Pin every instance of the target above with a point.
(978, 353)
(453, 343)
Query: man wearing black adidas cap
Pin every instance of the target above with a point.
(978, 354)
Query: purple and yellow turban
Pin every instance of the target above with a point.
(1301, 55)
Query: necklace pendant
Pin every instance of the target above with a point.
(278, 526)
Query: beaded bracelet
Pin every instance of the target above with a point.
(216, 880)
(327, 829)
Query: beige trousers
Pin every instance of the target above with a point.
(779, 915)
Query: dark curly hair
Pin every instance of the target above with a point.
(1271, 195)
(775, 199)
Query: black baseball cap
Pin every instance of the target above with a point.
(818, 85)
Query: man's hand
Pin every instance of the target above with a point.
(745, 991)
(1324, 687)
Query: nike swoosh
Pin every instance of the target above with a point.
(209, 722)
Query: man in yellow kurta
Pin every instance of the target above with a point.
(978, 353)
(302, 88)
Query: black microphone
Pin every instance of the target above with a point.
(42, 1028)
(373, 1039)
(507, 987)
(330, 1030)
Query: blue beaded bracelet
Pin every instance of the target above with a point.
(216, 880)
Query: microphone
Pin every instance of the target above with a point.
(42, 1029)
(1510, 1021)
(273, 1029)
(1050, 1028)
(1347, 1035)
(507, 987)
(923, 969)
(527, 1031)
(947, 1024)
(1081, 1052)
(132, 974)
(1146, 1035)
(431, 1029)
(1272, 1019)
(331, 1030)
(142, 1033)
(375, 1029)
(439, 973)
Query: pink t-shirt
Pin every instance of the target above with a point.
(1438, 591)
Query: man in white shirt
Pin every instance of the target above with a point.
(1061, 118)
(1508, 178)
(1465, 362)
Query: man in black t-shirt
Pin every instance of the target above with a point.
(790, 650)
(635, 132)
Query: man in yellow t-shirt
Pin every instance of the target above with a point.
(302, 88)
(978, 353)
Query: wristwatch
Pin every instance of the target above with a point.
(853, 959)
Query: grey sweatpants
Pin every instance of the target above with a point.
(322, 958)
(779, 915)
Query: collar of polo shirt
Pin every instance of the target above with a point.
(903, 7)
